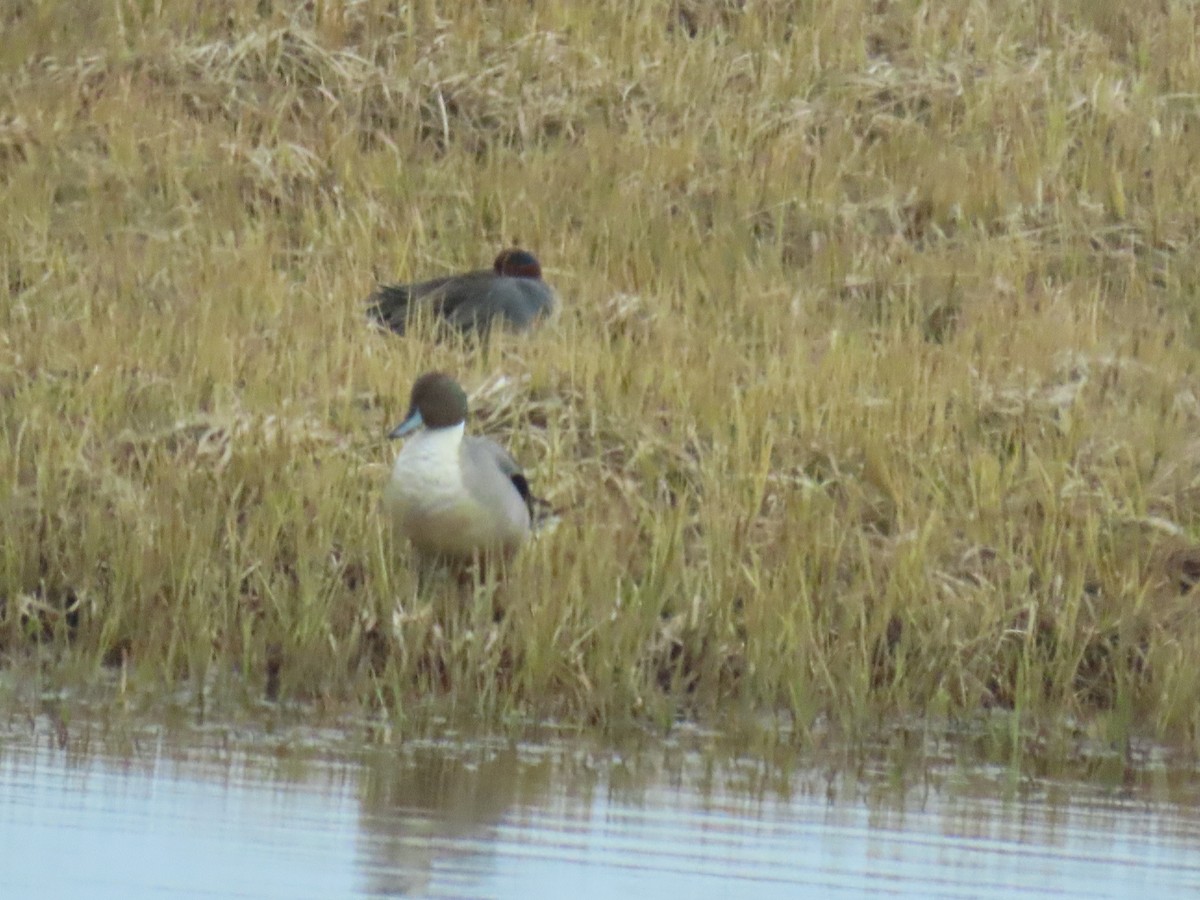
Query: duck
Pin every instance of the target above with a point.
(511, 294)
(453, 495)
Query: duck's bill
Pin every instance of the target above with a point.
(408, 426)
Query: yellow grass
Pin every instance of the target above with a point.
(872, 394)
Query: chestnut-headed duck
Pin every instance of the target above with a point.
(511, 294)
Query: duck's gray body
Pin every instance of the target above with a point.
(511, 294)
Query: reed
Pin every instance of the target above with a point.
(873, 392)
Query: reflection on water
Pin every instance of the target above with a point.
(234, 812)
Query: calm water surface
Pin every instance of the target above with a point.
(242, 812)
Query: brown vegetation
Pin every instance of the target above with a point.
(873, 391)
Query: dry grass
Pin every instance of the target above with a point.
(873, 392)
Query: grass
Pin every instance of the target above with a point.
(873, 393)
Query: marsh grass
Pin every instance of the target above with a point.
(872, 394)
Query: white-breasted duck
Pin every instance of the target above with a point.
(454, 495)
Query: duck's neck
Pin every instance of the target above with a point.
(448, 438)
(437, 447)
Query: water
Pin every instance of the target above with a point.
(243, 812)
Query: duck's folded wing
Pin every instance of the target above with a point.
(394, 306)
(494, 476)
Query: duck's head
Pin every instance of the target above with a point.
(437, 401)
(517, 263)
